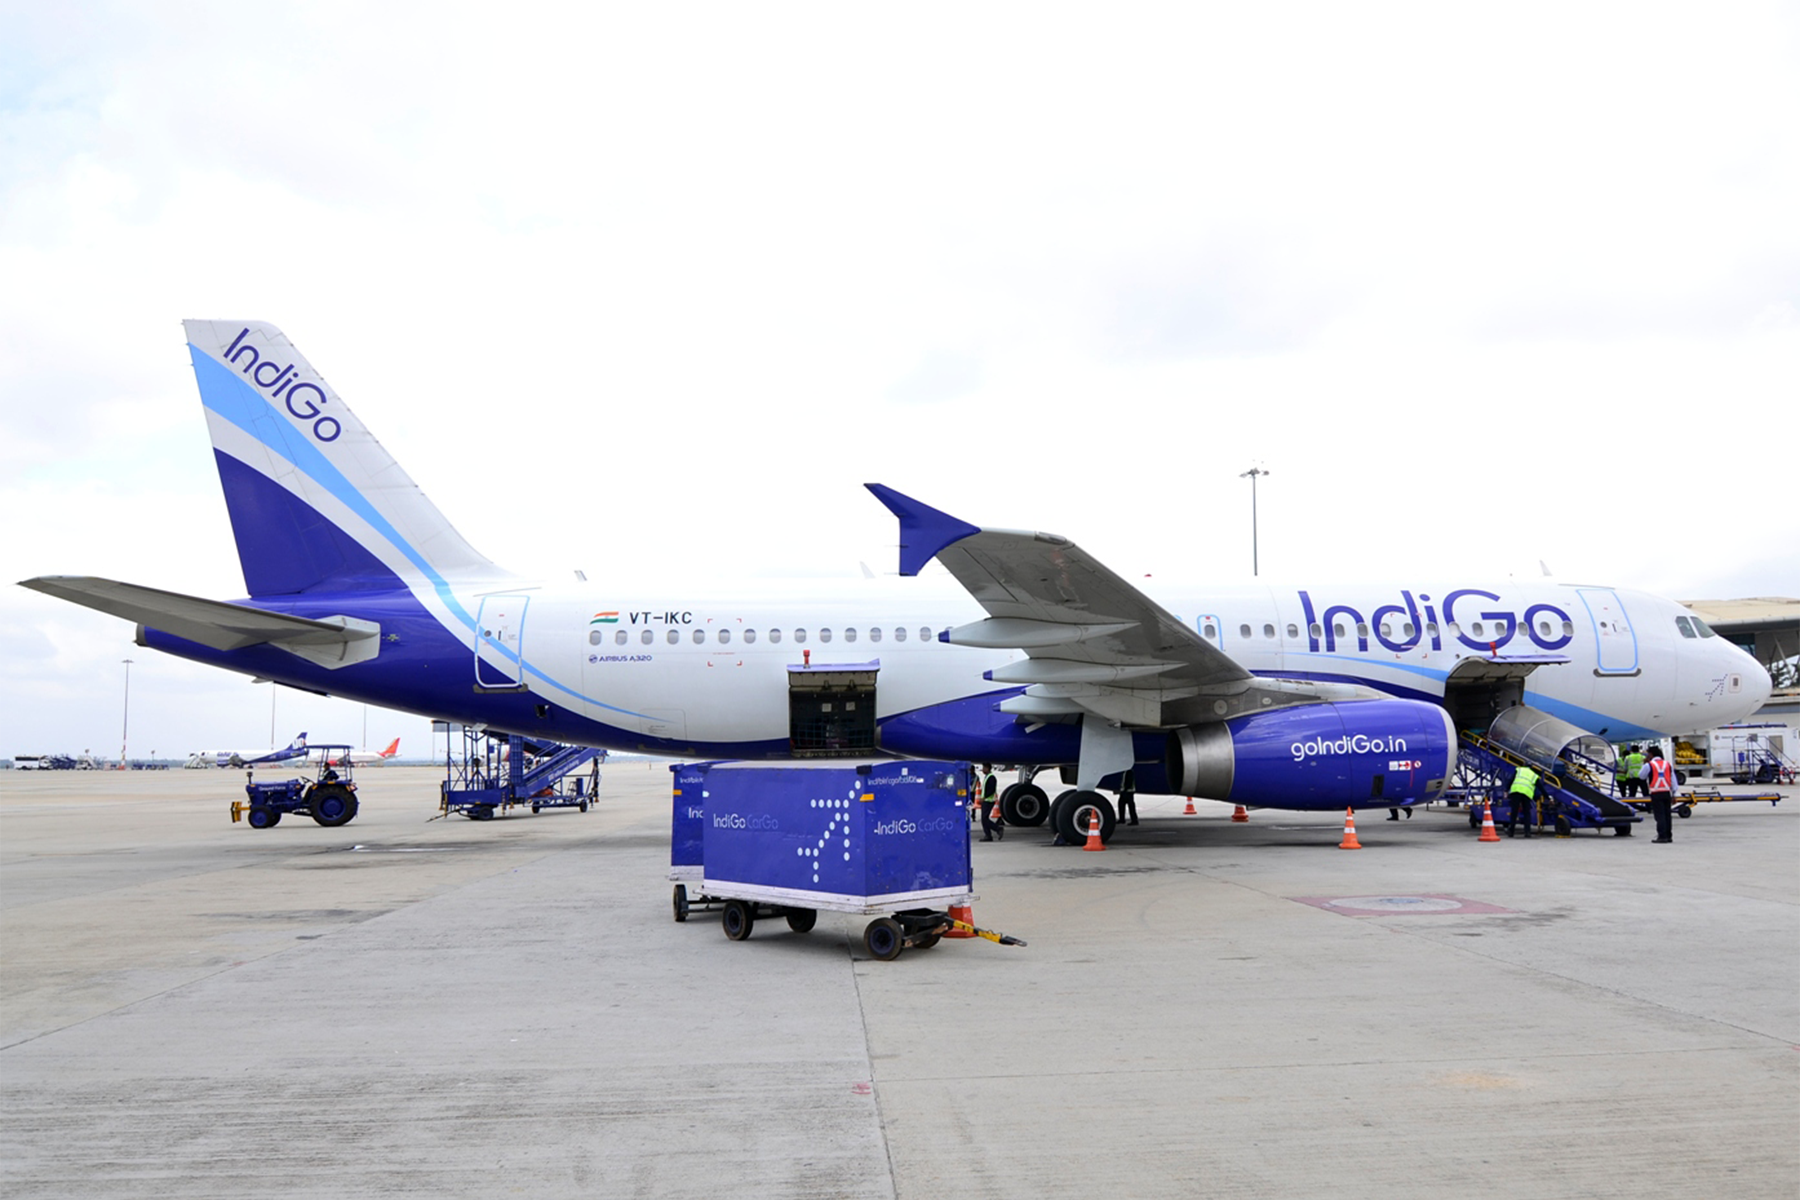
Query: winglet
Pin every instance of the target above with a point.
(923, 529)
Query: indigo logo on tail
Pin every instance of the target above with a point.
(301, 398)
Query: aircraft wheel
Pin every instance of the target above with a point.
(738, 920)
(1056, 807)
(680, 902)
(883, 939)
(263, 818)
(1074, 817)
(1024, 804)
(801, 920)
(332, 805)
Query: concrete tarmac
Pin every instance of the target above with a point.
(404, 1006)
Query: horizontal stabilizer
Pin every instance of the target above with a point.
(335, 641)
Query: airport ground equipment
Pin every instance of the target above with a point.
(1682, 803)
(1752, 754)
(498, 771)
(887, 840)
(328, 797)
(1575, 771)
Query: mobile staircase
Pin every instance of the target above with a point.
(1574, 769)
(1754, 760)
(498, 771)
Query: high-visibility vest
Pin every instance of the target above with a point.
(1524, 782)
(1633, 764)
(1662, 775)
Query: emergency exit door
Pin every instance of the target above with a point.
(500, 643)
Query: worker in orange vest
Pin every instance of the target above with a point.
(1659, 775)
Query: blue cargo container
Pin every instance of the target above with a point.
(887, 837)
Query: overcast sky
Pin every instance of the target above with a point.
(650, 291)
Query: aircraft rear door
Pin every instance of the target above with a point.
(500, 642)
(1616, 647)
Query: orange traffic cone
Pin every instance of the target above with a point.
(965, 914)
(1349, 842)
(1488, 832)
(1240, 813)
(1190, 810)
(1094, 842)
(994, 814)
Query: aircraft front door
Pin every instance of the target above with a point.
(1615, 640)
(500, 642)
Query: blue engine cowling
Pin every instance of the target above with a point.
(1356, 752)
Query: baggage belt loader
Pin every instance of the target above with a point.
(886, 839)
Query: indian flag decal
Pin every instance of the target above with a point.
(605, 618)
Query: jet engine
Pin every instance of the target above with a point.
(1327, 755)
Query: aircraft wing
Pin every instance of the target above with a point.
(1094, 643)
(335, 641)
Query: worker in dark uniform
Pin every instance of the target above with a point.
(1519, 800)
(992, 827)
(1659, 776)
(1128, 800)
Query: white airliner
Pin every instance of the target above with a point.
(369, 758)
(244, 758)
(1313, 697)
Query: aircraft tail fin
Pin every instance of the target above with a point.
(393, 748)
(316, 503)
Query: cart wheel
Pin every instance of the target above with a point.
(801, 920)
(332, 805)
(929, 940)
(739, 920)
(883, 939)
(1685, 811)
(680, 902)
(582, 806)
(534, 809)
(1562, 826)
(1621, 831)
(262, 818)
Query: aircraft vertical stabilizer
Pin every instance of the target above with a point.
(316, 503)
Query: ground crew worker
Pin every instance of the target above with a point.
(1519, 798)
(1659, 777)
(1634, 765)
(992, 827)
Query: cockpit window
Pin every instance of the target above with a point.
(1687, 630)
(1703, 629)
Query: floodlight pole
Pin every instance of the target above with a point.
(125, 725)
(1251, 475)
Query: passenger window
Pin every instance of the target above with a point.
(1568, 629)
(924, 634)
(724, 637)
(1431, 630)
(899, 635)
(1209, 632)
(1317, 630)
(1406, 630)
(1475, 629)
(674, 636)
(849, 635)
(1543, 629)
(1387, 631)
(1362, 630)
(749, 637)
(594, 636)
(875, 633)
(699, 636)
(1268, 631)
(1293, 630)
(645, 637)
(774, 635)
(1338, 631)
(1244, 631)
(619, 637)
(824, 635)
(799, 636)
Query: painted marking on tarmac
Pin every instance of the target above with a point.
(1433, 904)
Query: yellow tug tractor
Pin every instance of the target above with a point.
(329, 797)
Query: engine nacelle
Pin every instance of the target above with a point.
(1354, 752)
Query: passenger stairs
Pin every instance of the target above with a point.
(1576, 781)
(498, 771)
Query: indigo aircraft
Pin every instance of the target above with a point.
(244, 758)
(1316, 697)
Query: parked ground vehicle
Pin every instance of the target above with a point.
(328, 796)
